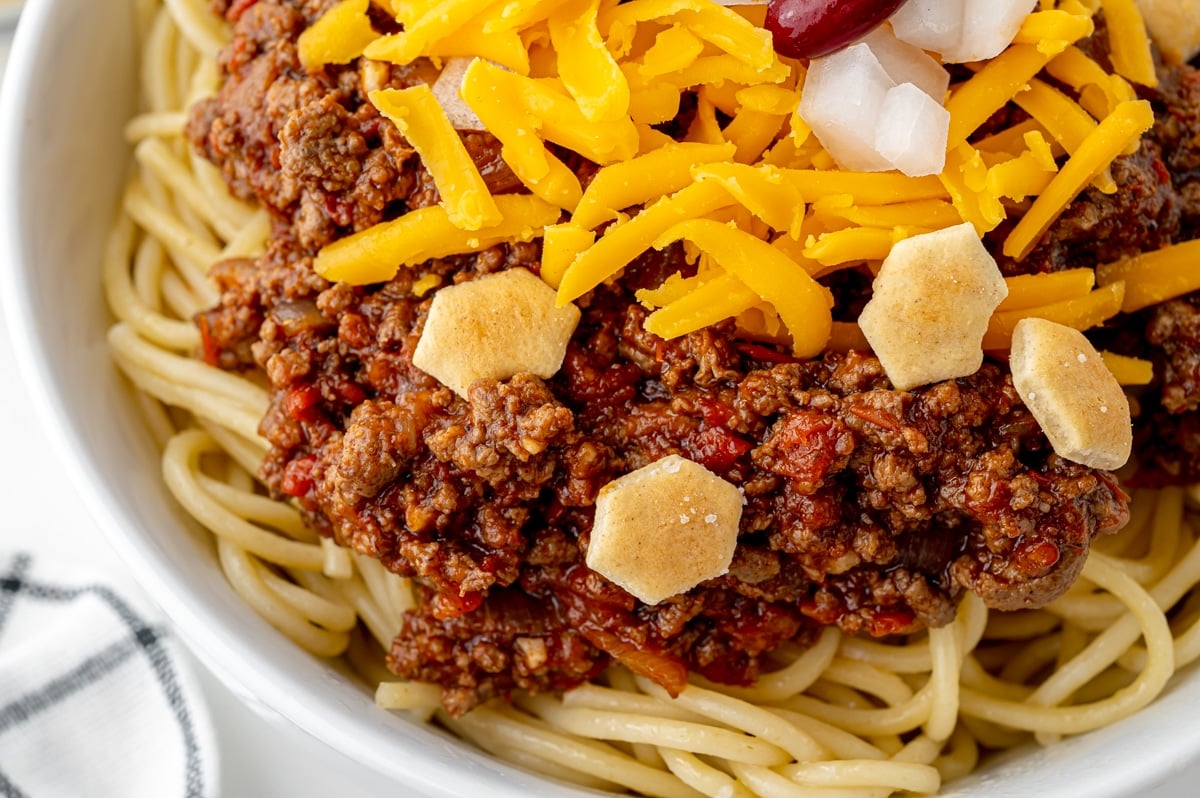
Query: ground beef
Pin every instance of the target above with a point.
(1176, 103)
(510, 642)
(866, 507)
(1174, 327)
(1167, 422)
(1157, 203)
(1164, 176)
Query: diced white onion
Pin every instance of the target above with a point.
(912, 131)
(842, 96)
(934, 25)
(877, 105)
(989, 26)
(961, 30)
(906, 63)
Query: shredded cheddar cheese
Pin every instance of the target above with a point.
(643, 179)
(623, 242)
(974, 102)
(423, 30)
(561, 244)
(762, 190)
(1129, 370)
(422, 121)
(338, 37)
(705, 304)
(496, 100)
(1155, 277)
(1131, 54)
(1110, 138)
(1079, 313)
(801, 301)
(933, 213)
(853, 244)
(1053, 30)
(761, 208)
(1063, 119)
(375, 254)
(587, 68)
(1031, 290)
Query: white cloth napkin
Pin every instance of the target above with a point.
(95, 700)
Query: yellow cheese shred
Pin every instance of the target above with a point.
(374, 255)
(563, 123)
(1125, 124)
(390, 6)
(987, 91)
(494, 97)
(802, 302)
(705, 127)
(425, 284)
(561, 244)
(623, 242)
(586, 67)
(1154, 277)
(654, 104)
(933, 214)
(717, 25)
(852, 245)
(676, 286)
(762, 190)
(503, 47)
(1128, 370)
(1063, 119)
(753, 131)
(407, 12)
(732, 33)
(643, 179)
(965, 178)
(1053, 30)
(713, 300)
(516, 14)
(767, 98)
(1131, 55)
(674, 49)
(1080, 313)
(1075, 69)
(1032, 290)
(444, 19)
(880, 188)
(421, 120)
(338, 37)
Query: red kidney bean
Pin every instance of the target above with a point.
(813, 28)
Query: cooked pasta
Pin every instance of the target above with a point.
(843, 716)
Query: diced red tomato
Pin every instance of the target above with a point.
(297, 477)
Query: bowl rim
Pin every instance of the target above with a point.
(250, 668)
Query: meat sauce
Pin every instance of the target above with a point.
(867, 508)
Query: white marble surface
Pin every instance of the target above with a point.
(260, 756)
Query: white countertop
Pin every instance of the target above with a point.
(259, 756)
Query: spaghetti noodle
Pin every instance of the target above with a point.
(844, 716)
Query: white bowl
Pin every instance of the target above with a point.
(69, 88)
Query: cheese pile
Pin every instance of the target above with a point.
(762, 208)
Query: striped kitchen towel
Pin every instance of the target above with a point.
(94, 698)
